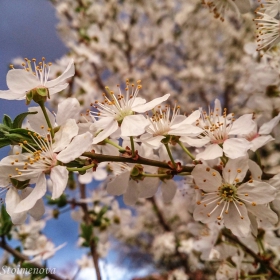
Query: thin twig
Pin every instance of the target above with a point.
(23, 257)
(88, 221)
(257, 257)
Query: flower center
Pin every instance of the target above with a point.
(117, 106)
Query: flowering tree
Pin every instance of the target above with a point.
(202, 184)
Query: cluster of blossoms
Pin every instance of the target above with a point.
(223, 221)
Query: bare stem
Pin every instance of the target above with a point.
(87, 220)
(23, 257)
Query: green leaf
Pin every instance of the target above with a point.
(4, 142)
(20, 118)
(7, 121)
(86, 233)
(5, 222)
(35, 271)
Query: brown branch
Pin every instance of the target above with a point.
(257, 257)
(88, 221)
(23, 257)
(160, 216)
(140, 160)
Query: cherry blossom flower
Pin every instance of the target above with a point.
(44, 249)
(218, 128)
(21, 81)
(119, 111)
(226, 199)
(262, 137)
(163, 124)
(35, 164)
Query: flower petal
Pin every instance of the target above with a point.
(206, 178)
(168, 190)
(65, 134)
(260, 141)
(59, 178)
(263, 212)
(235, 169)
(131, 195)
(258, 192)
(10, 95)
(78, 145)
(38, 120)
(12, 200)
(68, 109)
(150, 105)
(185, 130)
(57, 88)
(211, 152)
(201, 213)
(148, 187)
(255, 170)
(69, 72)
(242, 125)
(133, 125)
(117, 185)
(266, 128)
(195, 142)
(233, 221)
(37, 193)
(236, 147)
(109, 126)
(20, 81)
(38, 210)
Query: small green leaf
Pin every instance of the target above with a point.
(86, 233)
(7, 121)
(4, 142)
(20, 118)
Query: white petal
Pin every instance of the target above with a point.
(260, 141)
(201, 213)
(79, 145)
(239, 227)
(132, 193)
(109, 129)
(12, 200)
(20, 81)
(68, 109)
(38, 210)
(69, 72)
(86, 178)
(37, 120)
(266, 128)
(211, 152)
(235, 169)
(65, 134)
(262, 212)
(117, 185)
(258, 192)
(10, 95)
(206, 178)
(148, 187)
(236, 147)
(154, 142)
(185, 130)
(133, 125)
(255, 170)
(168, 190)
(138, 101)
(37, 193)
(195, 142)
(243, 125)
(150, 105)
(59, 178)
(57, 88)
